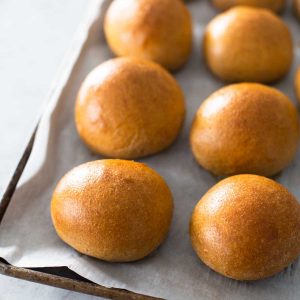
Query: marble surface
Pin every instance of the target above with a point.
(34, 36)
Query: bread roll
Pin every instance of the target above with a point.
(274, 5)
(129, 108)
(158, 30)
(114, 210)
(246, 227)
(245, 128)
(248, 44)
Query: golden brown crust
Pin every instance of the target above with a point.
(274, 5)
(297, 84)
(158, 30)
(245, 128)
(129, 108)
(113, 210)
(246, 227)
(248, 44)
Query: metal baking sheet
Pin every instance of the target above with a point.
(173, 271)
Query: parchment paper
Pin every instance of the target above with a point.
(28, 239)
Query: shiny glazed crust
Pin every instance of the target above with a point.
(248, 44)
(158, 30)
(129, 108)
(246, 227)
(274, 5)
(113, 210)
(245, 128)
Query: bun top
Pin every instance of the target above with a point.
(114, 210)
(245, 128)
(248, 44)
(158, 30)
(247, 227)
(129, 108)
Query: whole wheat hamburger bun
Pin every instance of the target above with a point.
(158, 30)
(129, 108)
(246, 227)
(248, 44)
(245, 128)
(113, 210)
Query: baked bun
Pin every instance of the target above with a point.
(114, 210)
(274, 5)
(248, 44)
(158, 30)
(246, 227)
(129, 108)
(245, 128)
(297, 84)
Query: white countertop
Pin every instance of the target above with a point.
(34, 36)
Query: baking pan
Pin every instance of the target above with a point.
(64, 278)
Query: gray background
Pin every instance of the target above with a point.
(34, 36)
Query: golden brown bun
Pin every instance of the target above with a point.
(245, 128)
(297, 84)
(129, 108)
(114, 210)
(158, 30)
(248, 44)
(246, 227)
(274, 5)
